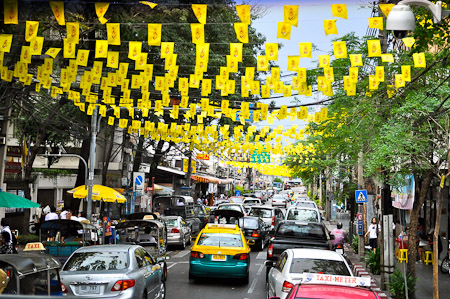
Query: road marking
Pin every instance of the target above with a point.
(261, 256)
(260, 269)
(252, 287)
(181, 254)
(171, 266)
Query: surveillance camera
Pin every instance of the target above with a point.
(399, 34)
(401, 20)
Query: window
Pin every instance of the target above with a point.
(220, 240)
(301, 265)
(172, 222)
(281, 262)
(311, 230)
(250, 223)
(142, 258)
(263, 213)
(97, 261)
(303, 215)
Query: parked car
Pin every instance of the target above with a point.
(303, 214)
(256, 232)
(290, 269)
(188, 214)
(279, 200)
(119, 271)
(220, 251)
(178, 232)
(271, 216)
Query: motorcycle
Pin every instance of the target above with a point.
(339, 248)
(445, 264)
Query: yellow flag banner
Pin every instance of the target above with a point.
(113, 60)
(305, 50)
(198, 33)
(340, 49)
(58, 11)
(356, 59)
(272, 51)
(339, 10)
(101, 49)
(409, 41)
(5, 42)
(284, 30)
(330, 27)
(386, 8)
(419, 60)
(406, 73)
(134, 50)
(148, 3)
(154, 34)
(52, 52)
(100, 9)
(241, 30)
(73, 32)
(387, 58)
(243, 12)
(324, 60)
(291, 14)
(31, 29)
(200, 12)
(36, 46)
(113, 34)
(374, 48)
(10, 12)
(376, 23)
(293, 62)
(69, 49)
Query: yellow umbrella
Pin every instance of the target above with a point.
(99, 192)
(158, 187)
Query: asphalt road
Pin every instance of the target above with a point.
(179, 286)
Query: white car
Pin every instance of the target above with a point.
(178, 232)
(303, 214)
(279, 200)
(294, 264)
(249, 201)
(233, 206)
(305, 204)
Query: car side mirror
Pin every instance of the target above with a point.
(268, 264)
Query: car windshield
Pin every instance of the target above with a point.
(311, 230)
(236, 199)
(231, 207)
(251, 201)
(302, 265)
(303, 215)
(220, 240)
(172, 222)
(97, 261)
(278, 196)
(306, 204)
(250, 223)
(263, 213)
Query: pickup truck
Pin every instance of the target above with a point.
(296, 234)
(189, 215)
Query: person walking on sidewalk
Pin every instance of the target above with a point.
(373, 234)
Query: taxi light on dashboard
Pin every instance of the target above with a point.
(287, 286)
(240, 256)
(197, 255)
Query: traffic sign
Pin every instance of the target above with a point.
(138, 179)
(360, 227)
(361, 196)
(238, 193)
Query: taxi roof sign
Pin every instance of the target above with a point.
(148, 217)
(222, 226)
(349, 281)
(35, 246)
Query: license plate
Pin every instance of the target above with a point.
(218, 257)
(340, 251)
(89, 289)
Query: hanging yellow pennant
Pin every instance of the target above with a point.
(409, 41)
(5, 42)
(134, 50)
(399, 82)
(100, 9)
(387, 58)
(200, 12)
(305, 50)
(69, 49)
(154, 34)
(406, 73)
(386, 9)
(284, 30)
(374, 48)
(73, 32)
(10, 12)
(262, 63)
(25, 55)
(113, 34)
(58, 11)
(36, 45)
(243, 12)
(330, 27)
(356, 59)
(376, 23)
(241, 30)
(113, 59)
(101, 49)
(353, 74)
(31, 30)
(236, 51)
(340, 49)
(141, 62)
(339, 10)
(324, 60)
(148, 3)
(293, 62)
(166, 49)
(379, 73)
(291, 14)
(202, 52)
(301, 74)
(328, 73)
(419, 60)
(272, 51)
(198, 33)
(250, 73)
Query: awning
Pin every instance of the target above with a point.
(210, 179)
(171, 170)
(163, 189)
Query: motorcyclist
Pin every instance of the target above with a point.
(340, 235)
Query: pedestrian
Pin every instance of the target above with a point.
(373, 234)
(9, 239)
(51, 234)
(65, 214)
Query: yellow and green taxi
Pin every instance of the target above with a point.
(220, 250)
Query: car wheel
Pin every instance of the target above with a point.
(162, 290)
(267, 274)
(144, 295)
(262, 245)
(267, 290)
(246, 279)
(189, 240)
(164, 272)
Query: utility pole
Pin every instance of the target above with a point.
(361, 207)
(92, 162)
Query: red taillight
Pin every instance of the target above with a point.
(197, 255)
(63, 288)
(273, 220)
(270, 250)
(122, 285)
(240, 256)
(175, 230)
(339, 246)
(255, 234)
(287, 286)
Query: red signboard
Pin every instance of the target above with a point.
(13, 167)
(204, 156)
(14, 151)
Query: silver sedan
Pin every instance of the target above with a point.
(119, 271)
(178, 232)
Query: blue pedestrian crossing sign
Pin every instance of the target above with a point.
(361, 196)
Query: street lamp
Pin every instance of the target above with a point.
(401, 18)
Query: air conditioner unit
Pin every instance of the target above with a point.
(2, 140)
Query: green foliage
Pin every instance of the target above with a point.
(53, 172)
(355, 243)
(372, 260)
(24, 239)
(278, 180)
(397, 285)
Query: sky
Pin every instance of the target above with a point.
(310, 28)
